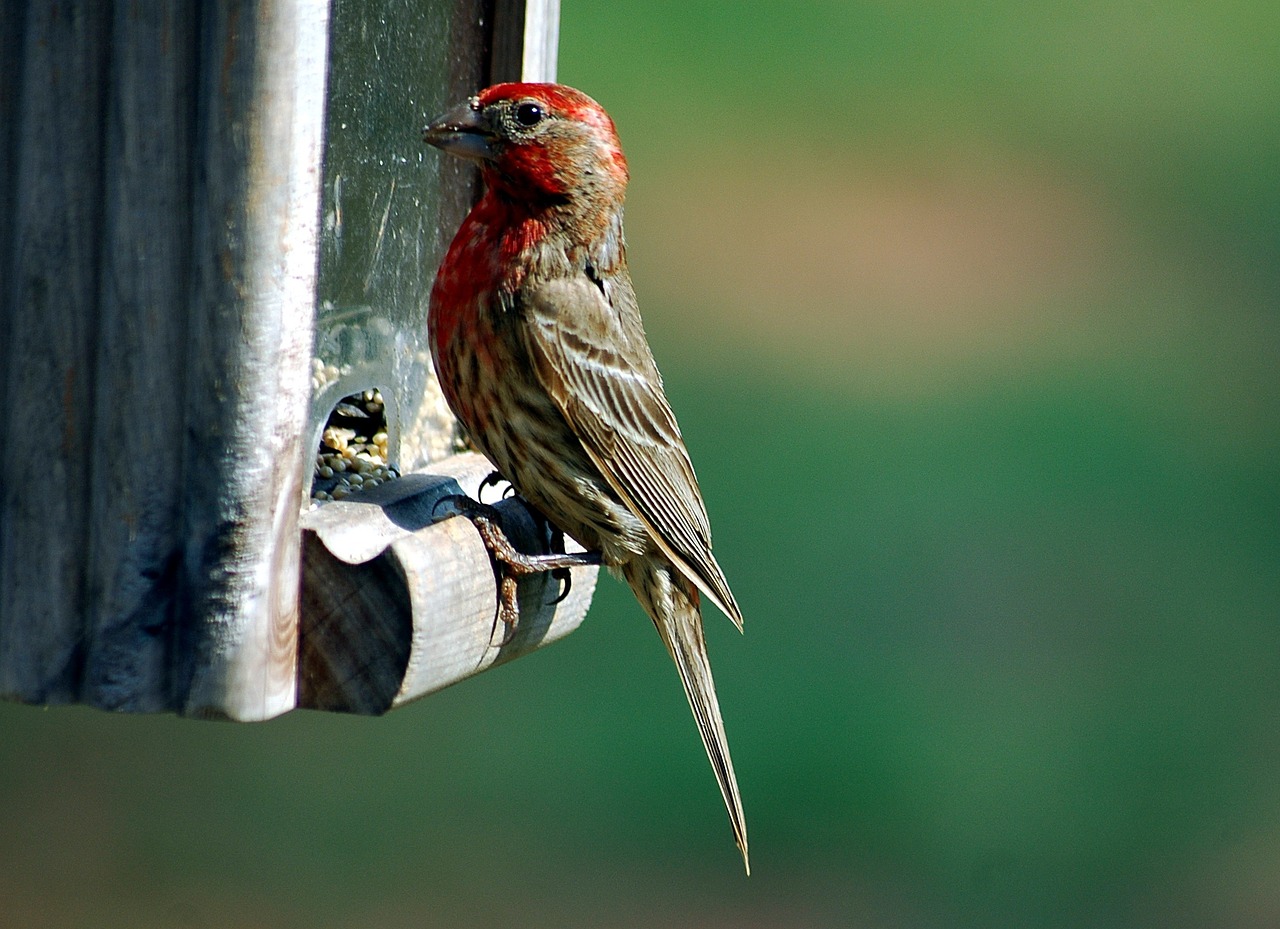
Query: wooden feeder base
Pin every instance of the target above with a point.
(397, 603)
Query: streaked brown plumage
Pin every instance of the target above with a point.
(541, 353)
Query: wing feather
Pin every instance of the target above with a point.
(590, 352)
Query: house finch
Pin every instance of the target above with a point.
(541, 353)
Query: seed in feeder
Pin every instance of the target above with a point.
(325, 472)
(340, 491)
(350, 410)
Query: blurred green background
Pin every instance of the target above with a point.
(970, 313)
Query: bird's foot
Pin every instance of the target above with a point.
(513, 564)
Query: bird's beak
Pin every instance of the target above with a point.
(463, 131)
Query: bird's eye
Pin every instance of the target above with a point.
(528, 114)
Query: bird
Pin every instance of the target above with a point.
(541, 353)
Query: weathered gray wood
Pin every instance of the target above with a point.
(398, 603)
(136, 479)
(12, 31)
(50, 299)
(525, 40)
(249, 348)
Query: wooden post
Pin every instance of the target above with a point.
(54, 185)
(171, 214)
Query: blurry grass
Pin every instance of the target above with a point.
(1173, 108)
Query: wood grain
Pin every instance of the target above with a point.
(136, 478)
(256, 214)
(50, 311)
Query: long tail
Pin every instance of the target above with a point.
(672, 603)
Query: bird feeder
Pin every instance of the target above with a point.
(218, 233)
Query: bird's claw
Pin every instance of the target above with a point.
(510, 563)
(565, 577)
(493, 479)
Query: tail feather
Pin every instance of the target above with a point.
(672, 603)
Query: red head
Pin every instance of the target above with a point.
(538, 143)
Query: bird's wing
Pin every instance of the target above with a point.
(589, 350)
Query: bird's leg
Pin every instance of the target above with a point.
(515, 563)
